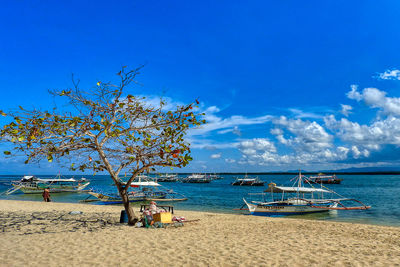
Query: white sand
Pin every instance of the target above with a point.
(95, 238)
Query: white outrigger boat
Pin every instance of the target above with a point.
(248, 181)
(197, 178)
(168, 177)
(299, 199)
(34, 185)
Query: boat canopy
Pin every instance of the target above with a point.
(322, 176)
(146, 183)
(287, 189)
(56, 180)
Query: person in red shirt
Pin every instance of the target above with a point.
(46, 195)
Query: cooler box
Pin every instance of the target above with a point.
(164, 217)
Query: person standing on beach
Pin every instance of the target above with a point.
(46, 195)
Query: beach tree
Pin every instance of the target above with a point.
(105, 129)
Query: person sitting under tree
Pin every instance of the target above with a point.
(148, 218)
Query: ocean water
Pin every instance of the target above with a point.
(382, 192)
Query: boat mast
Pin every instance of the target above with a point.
(299, 184)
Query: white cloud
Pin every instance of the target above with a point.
(389, 75)
(210, 144)
(376, 98)
(354, 94)
(346, 110)
(300, 141)
(230, 160)
(276, 131)
(257, 144)
(258, 151)
(235, 130)
(215, 156)
(300, 114)
(310, 143)
(154, 101)
(303, 135)
(215, 122)
(357, 153)
(370, 137)
(272, 158)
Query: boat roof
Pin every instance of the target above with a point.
(146, 183)
(56, 180)
(323, 176)
(290, 189)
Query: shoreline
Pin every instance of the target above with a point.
(309, 217)
(36, 233)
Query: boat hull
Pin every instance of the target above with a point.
(248, 184)
(196, 181)
(137, 197)
(167, 180)
(117, 202)
(331, 181)
(283, 209)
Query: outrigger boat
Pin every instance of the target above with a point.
(34, 185)
(325, 179)
(197, 178)
(168, 178)
(141, 191)
(299, 199)
(248, 181)
(215, 176)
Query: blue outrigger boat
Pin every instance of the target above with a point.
(143, 191)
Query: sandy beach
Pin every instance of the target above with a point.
(38, 233)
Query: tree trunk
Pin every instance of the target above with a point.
(132, 218)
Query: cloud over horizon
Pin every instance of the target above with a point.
(329, 140)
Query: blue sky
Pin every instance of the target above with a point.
(284, 84)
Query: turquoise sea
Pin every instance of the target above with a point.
(382, 192)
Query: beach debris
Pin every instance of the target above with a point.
(179, 219)
(75, 212)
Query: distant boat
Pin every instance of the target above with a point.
(34, 185)
(248, 181)
(299, 199)
(168, 177)
(196, 178)
(215, 177)
(325, 179)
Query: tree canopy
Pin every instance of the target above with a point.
(105, 128)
